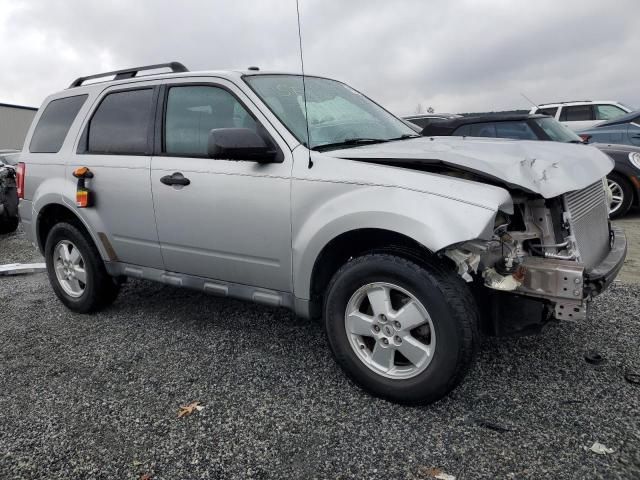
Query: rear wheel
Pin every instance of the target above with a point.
(621, 195)
(76, 270)
(402, 331)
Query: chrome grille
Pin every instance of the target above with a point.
(588, 221)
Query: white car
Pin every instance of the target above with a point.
(582, 114)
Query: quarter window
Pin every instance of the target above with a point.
(607, 112)
(122, 123)
(54, 124)
(193, 111)
(576, 113)
(548, 111)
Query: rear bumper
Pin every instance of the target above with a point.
(25, 209)
(600, 277)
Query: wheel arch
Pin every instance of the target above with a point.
(53, 213)
(353, 243)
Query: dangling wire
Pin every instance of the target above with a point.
(304, 86)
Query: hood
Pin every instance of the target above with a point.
(546, 168)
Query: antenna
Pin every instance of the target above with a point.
(529, 100)
(304, 86)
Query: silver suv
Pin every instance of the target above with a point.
(233, 184)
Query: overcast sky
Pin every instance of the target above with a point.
(455, 56)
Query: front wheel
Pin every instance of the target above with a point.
(402, 331)
(76, 270)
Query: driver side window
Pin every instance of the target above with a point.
(193, 111)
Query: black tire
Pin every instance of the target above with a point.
(8, 225)
(100, 289)
(450, 305)
(627, 194)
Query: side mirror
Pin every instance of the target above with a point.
(239, 144)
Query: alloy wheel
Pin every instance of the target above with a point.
(617, 196)
(70, 270)
(390, 330)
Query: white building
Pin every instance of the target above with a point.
(15, 120)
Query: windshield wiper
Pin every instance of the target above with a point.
(405, 136)
(354, 142)
(350, 142)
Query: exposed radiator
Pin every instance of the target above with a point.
(589, 224)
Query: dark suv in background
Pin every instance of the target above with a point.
(624, 180)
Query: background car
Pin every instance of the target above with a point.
(422, 119)
(582, 114)
(623, 130)
(8, 195)
(624, 180)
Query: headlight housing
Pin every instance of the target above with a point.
(634, 158)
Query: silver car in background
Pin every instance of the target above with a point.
(237, 184)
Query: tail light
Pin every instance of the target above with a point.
(585, 137)
(20, 173)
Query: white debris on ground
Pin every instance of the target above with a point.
(22, 268)
(599, 448)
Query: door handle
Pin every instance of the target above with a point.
(175, 179)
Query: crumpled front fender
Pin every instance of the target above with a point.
(324, 211)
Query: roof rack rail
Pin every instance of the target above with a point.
(562, 103)
(130, 72)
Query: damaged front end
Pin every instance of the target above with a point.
(546, 260)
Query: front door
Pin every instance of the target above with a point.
(232, 221)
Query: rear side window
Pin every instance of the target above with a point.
(576, 113)
(122, 123)
(548, 111)
(54, 124)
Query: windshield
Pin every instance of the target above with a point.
(556, 131)
(338, 115)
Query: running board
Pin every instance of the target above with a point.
(219, 288)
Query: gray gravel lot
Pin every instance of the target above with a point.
(97, 396)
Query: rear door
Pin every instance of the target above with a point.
(116, 145)
(232, 222)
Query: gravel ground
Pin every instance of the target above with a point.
(97, 396)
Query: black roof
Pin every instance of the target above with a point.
(437, 127)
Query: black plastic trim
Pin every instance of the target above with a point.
(599, 277)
